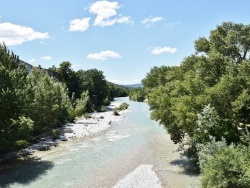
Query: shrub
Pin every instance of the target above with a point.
(106, 102)
(123, 106)
(115, 112)
(228, 168)
(87, 116)
(101, 109)
(81, 104)
(208, 150)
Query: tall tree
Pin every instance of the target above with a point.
(15, 125)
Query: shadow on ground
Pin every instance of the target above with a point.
(23, 171)
(188, 167)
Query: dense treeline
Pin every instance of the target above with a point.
(205, 103)
(34, 103)
(137, 94)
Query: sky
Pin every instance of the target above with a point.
(122, 38)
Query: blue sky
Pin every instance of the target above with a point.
(122, 38)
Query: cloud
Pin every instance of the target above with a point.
(149, 21)
(79, 24)
(104, 10)
(12, 34)
(103, 55)
(32, 60)
(160, 50)
(47, 58)
(172, 24)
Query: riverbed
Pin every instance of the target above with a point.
(133, 145)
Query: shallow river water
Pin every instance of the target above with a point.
(103, 160)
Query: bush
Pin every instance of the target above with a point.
(106, 102)
(115, 112)
(228, 168)
(123, 106)
(101, 109)
(208, 150)
(81, 104)
(87, 116)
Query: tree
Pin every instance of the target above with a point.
(15, 125)
(218, 74)
(230, 167)
(94, 82)
(68, 76)
(229, 39)
(50, 104)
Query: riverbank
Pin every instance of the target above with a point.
(95, 124)
(134, 151)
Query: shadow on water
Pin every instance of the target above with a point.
(188, 167)
(23, 171)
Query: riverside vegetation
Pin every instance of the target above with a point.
(34, 104)
(205, 105)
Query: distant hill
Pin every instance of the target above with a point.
(133, 85)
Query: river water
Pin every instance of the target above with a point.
(101, 161)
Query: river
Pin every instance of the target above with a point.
(101, 161)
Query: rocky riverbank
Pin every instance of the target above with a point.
(94, 124)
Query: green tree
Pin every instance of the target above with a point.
(229, 168)
(15, 125)
(68, 76)
(50, 105)
(94, 82)
(81, 104)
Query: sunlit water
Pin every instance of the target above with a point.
(93, 162)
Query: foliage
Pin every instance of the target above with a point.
(87, 116)
(205, 103)
(117, 91)
(81, 104)
(209, 149)
(138, 94)
(116, 112)
(216, 77)
(15, 124)
(123, 106)
(94, 81)
(101, 109)
(50, 102)
(230, 167)
(68, 76)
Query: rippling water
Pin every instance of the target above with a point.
(99, 161)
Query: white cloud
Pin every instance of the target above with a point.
(47, 58)
(32, 60)
(160, 50)
(12, 34)
(103, 55)
(79, 24)
(104, 10)
(149, 21)
(172, 24)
